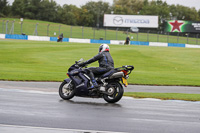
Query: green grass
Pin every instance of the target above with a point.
(164, 96)
(86, 32)
(49, 61)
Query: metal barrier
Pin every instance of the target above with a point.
(41, 28)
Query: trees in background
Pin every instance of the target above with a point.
(68, 14)
(182, 12)
(158, 7)
(47, 11)
(91, 14)
(4, 8)
(18, 8)
(129, 7)
(35, 9)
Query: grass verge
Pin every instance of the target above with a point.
(49, 61)
(164, 96)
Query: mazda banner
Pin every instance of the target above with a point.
(141, 21)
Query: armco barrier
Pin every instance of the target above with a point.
(191, 46)
(158, 44)
(45, 38)
(117, 42)
(22, 37)
(65, 39)
(39, 38)
(79, 40)
(100, 41)
(175, 45)
(2, 36)
(55, 39)
(139, 43)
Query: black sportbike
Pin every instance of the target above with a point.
(79, 83)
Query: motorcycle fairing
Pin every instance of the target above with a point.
(80, 80)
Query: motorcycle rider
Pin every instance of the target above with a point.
(106, 64)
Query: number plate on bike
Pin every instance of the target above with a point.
(124, 81)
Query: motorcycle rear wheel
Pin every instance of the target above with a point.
(115, 92)
(66, 90)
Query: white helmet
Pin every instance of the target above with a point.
(104, 47)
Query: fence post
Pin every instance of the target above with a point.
(12, 28)
(158, 36)
(127, 32)
(82, 32)
(197, 39)
(3, 26)
(116, 33)
(71, 32)
(137, 36)
(167, 37)
(59, 29)
(7, 26)
(187, 38)
(94, 33)
(36, 32)
(48, 29)
(148, 36)
(21, 27)
(105, 33)
(178, 38)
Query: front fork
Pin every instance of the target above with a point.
(67, 80)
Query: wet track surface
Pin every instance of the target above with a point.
(45, 109)
(53, 86)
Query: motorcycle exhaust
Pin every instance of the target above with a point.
(116, 75)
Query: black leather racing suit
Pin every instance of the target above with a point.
(105, 64)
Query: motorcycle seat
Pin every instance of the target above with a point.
(107, 74)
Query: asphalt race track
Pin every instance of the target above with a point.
(53, 86)
(35, 108)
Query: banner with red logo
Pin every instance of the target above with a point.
(182, 26)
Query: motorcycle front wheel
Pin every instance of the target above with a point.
(66, 90)
(114, 91)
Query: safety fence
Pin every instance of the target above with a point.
(40, 28)
(119, 42)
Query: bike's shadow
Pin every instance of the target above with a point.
(91, 103)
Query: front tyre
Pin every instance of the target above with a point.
(66, 90)
(114, 92)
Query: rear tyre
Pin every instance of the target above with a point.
(114, 91)
(66, 90)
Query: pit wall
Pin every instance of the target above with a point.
(76, 40)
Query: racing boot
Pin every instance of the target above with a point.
(95, 85)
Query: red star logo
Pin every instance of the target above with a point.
(176, 25)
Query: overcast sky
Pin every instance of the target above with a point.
(78, 3)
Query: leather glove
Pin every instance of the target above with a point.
(82, 64)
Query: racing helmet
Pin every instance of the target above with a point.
(104, 47)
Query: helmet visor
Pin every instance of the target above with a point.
(100, 48)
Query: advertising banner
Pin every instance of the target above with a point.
(182, 26)
(141, 21)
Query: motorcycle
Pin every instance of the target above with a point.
(79, 83)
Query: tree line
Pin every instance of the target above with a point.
(91, 14)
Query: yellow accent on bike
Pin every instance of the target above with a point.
(124, 81)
